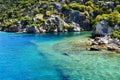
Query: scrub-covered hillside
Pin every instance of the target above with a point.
(35, 16)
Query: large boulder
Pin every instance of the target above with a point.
(101, 29)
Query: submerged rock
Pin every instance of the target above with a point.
(66, 54)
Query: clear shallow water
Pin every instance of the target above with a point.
(42, 57)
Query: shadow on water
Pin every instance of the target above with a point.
(61, 74)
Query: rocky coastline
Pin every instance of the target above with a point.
(105, 43)
(36, 16)
(101, 39)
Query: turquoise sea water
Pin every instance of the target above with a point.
(61, 56)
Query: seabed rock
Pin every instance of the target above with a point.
(94, 48)
(66, 54)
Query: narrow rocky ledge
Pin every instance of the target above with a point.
(105, 43)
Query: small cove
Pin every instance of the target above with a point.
(41, 57)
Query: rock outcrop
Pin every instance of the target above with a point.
(11, 29)
(78, 18)
(32, 29)
(101, 29)
(105, 43)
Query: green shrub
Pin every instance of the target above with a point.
(92, 22)
(89, 9)
(115, 34)
(89, 3)
(48, 13)
(118, 8)
(65, 7)
(77, 6)
(112, 18)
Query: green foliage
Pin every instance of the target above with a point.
(89, 3)
(118, 8)
(34, 24)
(48, 13)
(92, 22)
(19, 10)
(112, 18)
(77, 6)
(36, 10)
(89, 9)
(65, 7)
(115, 34)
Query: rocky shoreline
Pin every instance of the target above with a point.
(105, 43)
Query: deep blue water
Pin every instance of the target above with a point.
(41, 57)
(20, 60)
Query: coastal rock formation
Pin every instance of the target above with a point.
(79, 19)
(101, 29)
(55, 24)
(56, 6)
(32, 29)
(59, 16)
(105, 43)
(11, 29)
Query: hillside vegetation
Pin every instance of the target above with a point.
(57, 15)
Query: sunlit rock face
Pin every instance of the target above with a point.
(101, 29)
(79, 19)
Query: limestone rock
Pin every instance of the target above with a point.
(101, 29)
(32, 29)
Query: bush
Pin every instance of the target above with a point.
(92, 22)
(112, 18)
(48, 13)
(118, 8)
(88, 8)
(89, 3)
(115, 34)
(65, 7)
(77, 6)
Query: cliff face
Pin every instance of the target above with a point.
(35, 16)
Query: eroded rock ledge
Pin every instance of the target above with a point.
(105, 43)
